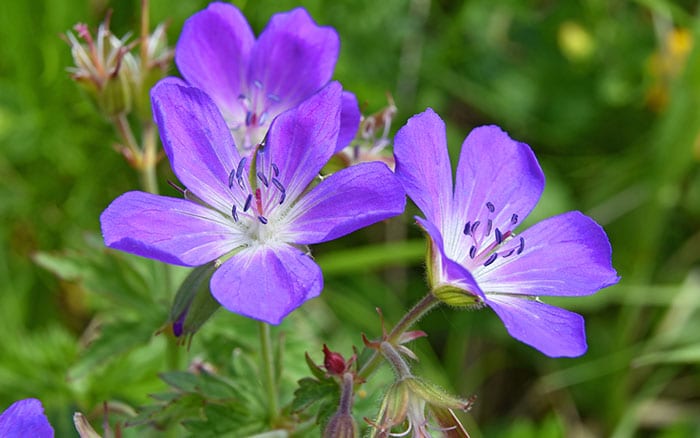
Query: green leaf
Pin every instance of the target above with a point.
(372, 257)
(115, 339)
(311, 391)
(684, 355)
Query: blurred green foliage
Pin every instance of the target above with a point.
(606, 92)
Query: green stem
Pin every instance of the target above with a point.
(416, 313)
(268, 368)
(149, 179)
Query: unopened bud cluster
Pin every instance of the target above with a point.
(112, 74)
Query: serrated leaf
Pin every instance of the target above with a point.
(311, 391)
(315, 369)
(181, 380)
(214, 387)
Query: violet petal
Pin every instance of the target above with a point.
(301, 141)
(25, 418)
(212, 52)
(171, 230)
(568, 254)
(292, 58)
(423, 166)
(197, 142)
(267, 283)
(346, 201)
(349, 121)
(553, 331)
(495, 169)
(451, 272)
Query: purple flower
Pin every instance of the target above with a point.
(477, 257)
(256, 213)
(252, 81)
(25, 418)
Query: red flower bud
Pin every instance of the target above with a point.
(334, 362)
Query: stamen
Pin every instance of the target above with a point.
(234, 213)
(490, 206)
(475, 225)
(491, 259)
(248, 200)
(499, 236)
(467, 228)
(472, 252)
(258, 84)
(262, 220)
(275, 169)
(522, 246)
(248, 118)
(241, 167)
(263, 118)
(514, 219)
(279, 185)
(273, 97)
(508, 254)
(231, 176)
(489, 225)
(263, 179)
(283, 197)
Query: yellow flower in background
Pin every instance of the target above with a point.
(666, 64)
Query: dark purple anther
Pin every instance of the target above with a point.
(275, 169)
(283, 197)
(508, 254)
(234, 213)
(248, 200)
(522, 246)
(490, 206)
(499, 236)
(472, 252)
(475, 225)
(468, 228)
(240, 168)
(273, 97)
(279, 185)
(491, 259)
(263, 179)
(489, 226)
(262, 220)
(231, 176)
(248, 118)
(514, 219)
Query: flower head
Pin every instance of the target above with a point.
(252, 81)
(476, 255)
(104, 67)
(25, 418)
(255, 213)
(412, 407)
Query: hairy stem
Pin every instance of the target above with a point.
(268, 369)
(416, 313)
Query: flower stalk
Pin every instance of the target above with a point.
(268, 369)
(422, 307)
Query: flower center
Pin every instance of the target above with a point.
(256, 106)
(262, 189)
(488, 243)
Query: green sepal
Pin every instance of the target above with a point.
(194, 300)
(455, 296)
